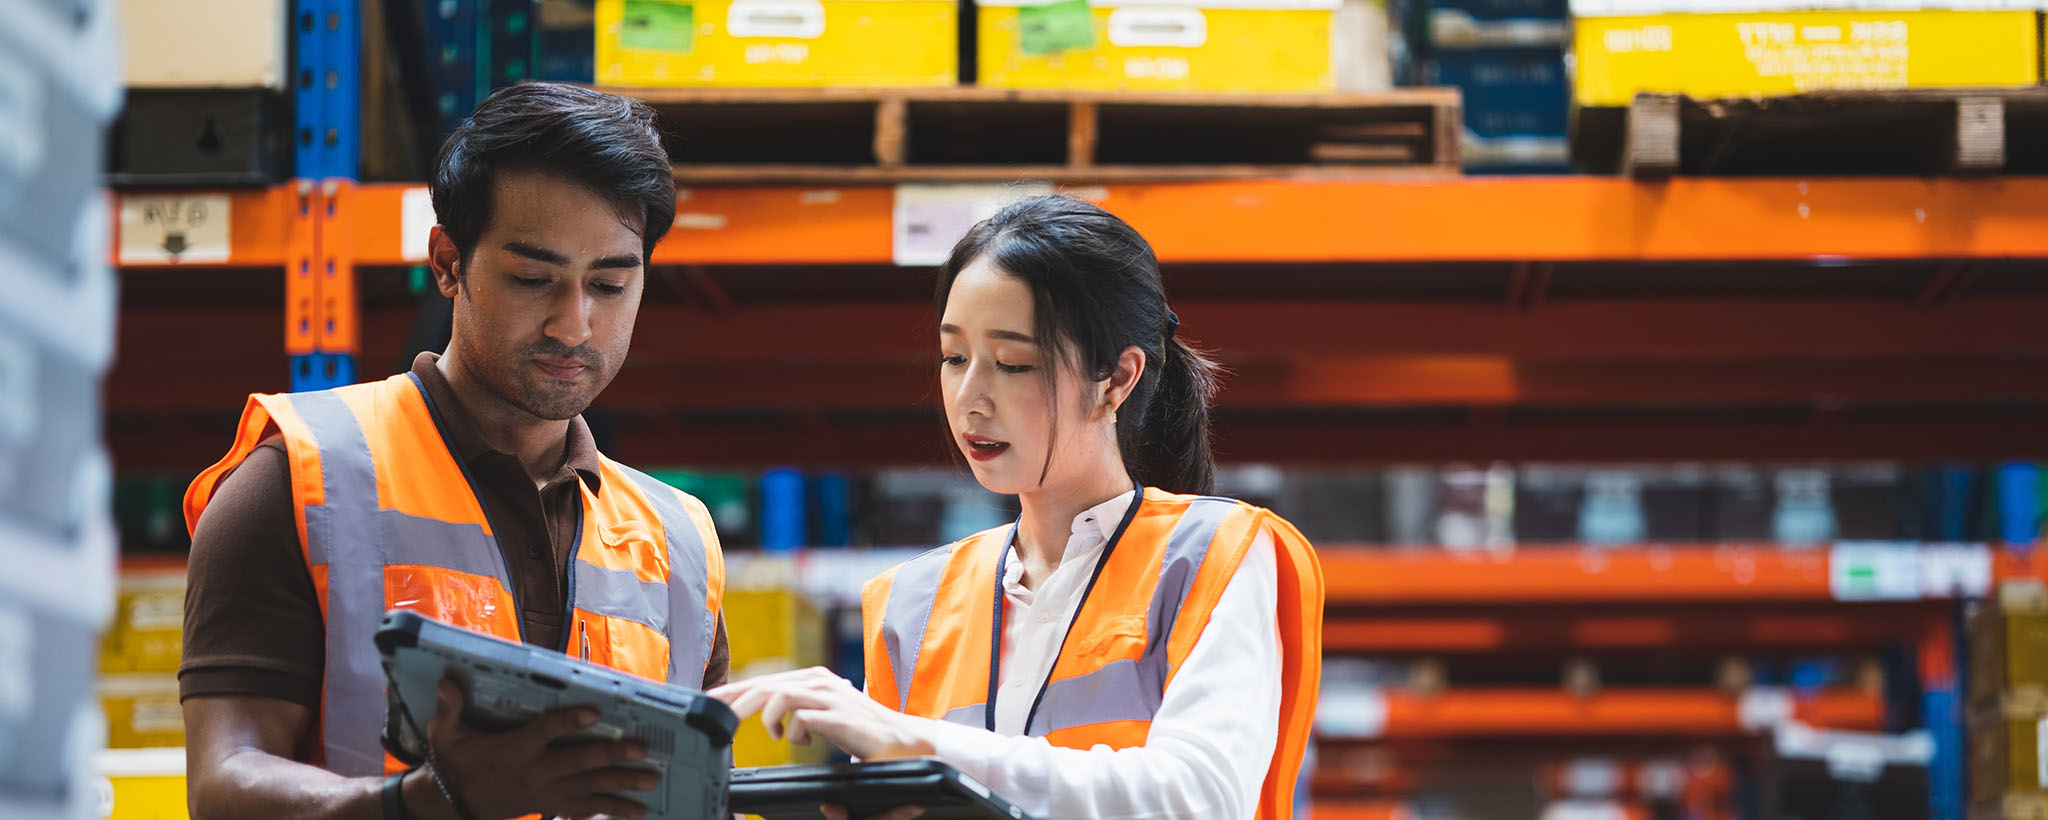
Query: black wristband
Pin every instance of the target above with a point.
(394, 797)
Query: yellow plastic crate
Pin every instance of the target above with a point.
(147, 635)
(1250, 46)
(1779, 53)
(770, 627)
(142, 784)
(142, 711)
(778, 43)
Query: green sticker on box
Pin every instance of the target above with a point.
(659, 25)
(1050, 28)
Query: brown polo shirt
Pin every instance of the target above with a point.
(252, 620)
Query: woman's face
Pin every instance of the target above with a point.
(997, 405)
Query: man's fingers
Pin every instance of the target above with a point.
(902, 813)
(610, 781)
(597, 804)
(447, 704)
(832, 812)
(550, 727)
(577, 759)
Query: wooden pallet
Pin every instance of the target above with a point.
(746, 135)
(1832, 132)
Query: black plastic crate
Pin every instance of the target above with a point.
(201, 137)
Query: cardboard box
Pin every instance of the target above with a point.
(216, 44)
(778, 43)
(2009, 647)
(1780, 53)
(1223, 46)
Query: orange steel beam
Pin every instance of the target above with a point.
(1527, 631)
(1701, 713)
(1423, 220)
(1572, 574)
(789, 225)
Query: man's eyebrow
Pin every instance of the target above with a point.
(537, 253)
(628, 260)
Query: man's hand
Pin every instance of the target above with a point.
(536, 768)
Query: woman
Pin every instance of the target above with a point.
(1127, 649)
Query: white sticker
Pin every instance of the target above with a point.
(1158, 27)
(1874, 571)
(1763, 708)
(795, 19)
(1351, 712)
(929, 219)
(2041, 752)
(1955, 570)
(415, 221)
(171, 230)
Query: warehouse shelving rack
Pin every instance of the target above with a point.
(1497, 309)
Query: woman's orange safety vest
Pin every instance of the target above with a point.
(928, 622)
(387, 519)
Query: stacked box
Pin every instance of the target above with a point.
(770, 627)
(2008, 705)
(1507, 56)
(56, 339)
(1723, 49)
(147, 635)
(206, 99)
(142, 711)
(778, 43)
(1244, 46)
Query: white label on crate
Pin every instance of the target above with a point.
(169, 230)
(416, 220)
(1855, 761)
(929, 219)
(1955, 571)
(789, 19)
(161, 610)
(1158, 27)
(1874, 571)
(2041, 752)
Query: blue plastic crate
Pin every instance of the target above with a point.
(1509, 92)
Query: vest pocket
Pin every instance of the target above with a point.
(1108, 638)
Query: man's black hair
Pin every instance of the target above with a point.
(606, 143)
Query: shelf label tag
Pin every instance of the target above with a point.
(415, 221)
(1874, 571)
(172, 230)
(929, 219)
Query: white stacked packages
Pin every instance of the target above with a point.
(60, 86)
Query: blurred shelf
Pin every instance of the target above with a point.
(1428, 220)
(1580, 574)
(1509, 712)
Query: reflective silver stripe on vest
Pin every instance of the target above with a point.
(689, 639)
(1130, 689)
(908, 612)
(353, 538)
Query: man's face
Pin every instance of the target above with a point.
(544, 312)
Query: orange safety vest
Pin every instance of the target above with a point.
(387, 519)
(927, 625)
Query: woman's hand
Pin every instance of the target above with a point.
(816, 702)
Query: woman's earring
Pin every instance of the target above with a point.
(1112, 415)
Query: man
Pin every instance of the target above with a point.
(468, 489)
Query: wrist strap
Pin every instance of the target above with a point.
(394, 797)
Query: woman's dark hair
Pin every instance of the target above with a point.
(1096, 292)
(605, 143)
